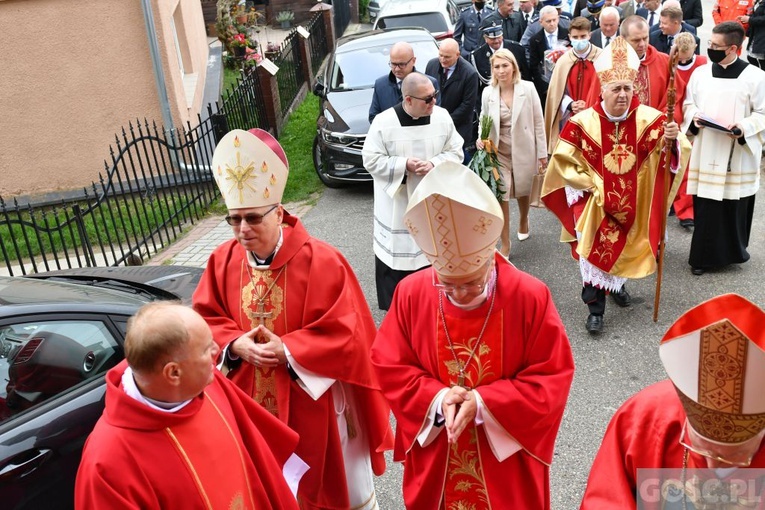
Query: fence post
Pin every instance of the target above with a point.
(305, 53)
(270, 90)
(329, 25)
(87, 248)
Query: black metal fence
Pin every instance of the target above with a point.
(154, 184)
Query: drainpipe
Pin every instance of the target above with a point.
(159, 73)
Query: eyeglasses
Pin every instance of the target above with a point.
(251, 219)
(743, 459)
(427, 99)
(713, 46)
(466, 288)
(399, 65)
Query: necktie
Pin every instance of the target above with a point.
(526, 17)
(479, 16)
(650, 19)
(444, 76)
(551, 40)
(608, 41)
(670, 38)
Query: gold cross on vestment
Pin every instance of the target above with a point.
(261, 314)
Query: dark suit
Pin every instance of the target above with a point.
(686, 28)
(458, 95)
(692, 12)
(467, 31)
(388, 94)
(659, 41)
(598, 39)
(643, 13)
(537, 47)
(512, 26)
(533, 16)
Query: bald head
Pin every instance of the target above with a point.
(413, 82)
(671, 3)
(448, 52)
(401, 59)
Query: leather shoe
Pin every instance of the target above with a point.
(687, 223)
(594, 324)
(698, 271)
(622, 298)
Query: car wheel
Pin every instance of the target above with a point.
(318, 164)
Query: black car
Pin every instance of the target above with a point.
(59, 334)
(345, 90)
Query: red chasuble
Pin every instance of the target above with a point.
(312, 300)
(621, 164)
(522, 371)
(219, 451)
(644, 433)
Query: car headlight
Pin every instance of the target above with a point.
(338, 138)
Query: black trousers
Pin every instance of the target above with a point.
(594, 298)
(386, 280)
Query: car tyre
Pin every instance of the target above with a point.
(318, 164)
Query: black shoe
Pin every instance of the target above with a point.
(594, 324)
(622, 298)
(698, 271)
(687, 223)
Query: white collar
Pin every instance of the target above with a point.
(256, 262)
(131, 390)
(611, 117)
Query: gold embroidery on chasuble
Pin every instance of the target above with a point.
(263, 303)
(643, 85)
(194, 443)
(465, 485)
(621, 158)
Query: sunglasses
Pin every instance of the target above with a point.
(251, 219)
(427, 99)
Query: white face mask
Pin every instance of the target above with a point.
(580, 45)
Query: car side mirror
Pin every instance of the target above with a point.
(318, 88)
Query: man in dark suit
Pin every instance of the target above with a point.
(551, 37)
(466, 31)
(528, 13)
(459, 88)
(669, 27)
(686, 26)
(609, 27)
(480, 58)
(512, 22)
(692, 12)
(650, 11)
(387, 91)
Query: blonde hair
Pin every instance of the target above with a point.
(685, 42)
(505, 54)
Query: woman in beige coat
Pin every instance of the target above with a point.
(518, 132)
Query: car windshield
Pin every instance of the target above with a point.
(433, 22)
(359, 69)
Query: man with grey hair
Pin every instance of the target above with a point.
(552, 37)
(403, 144)
(535, 26)
(387, 90)
(609, 27)
(510, 20)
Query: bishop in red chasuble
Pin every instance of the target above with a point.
(276, 287)
(709, 414)
(472, 357)
(175, 434)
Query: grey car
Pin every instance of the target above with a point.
(59, 334)
(345, 93)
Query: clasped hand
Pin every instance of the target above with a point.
(459, 408)
(260, 347)
(418, 166)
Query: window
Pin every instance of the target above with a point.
(41, 360)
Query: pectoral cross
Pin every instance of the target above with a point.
(261, 314)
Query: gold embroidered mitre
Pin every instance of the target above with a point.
(714, 354)
(250, 169)
(617, 62)
(455, 219)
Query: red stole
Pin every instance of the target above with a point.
(580, 78)
(465, 484)
(206, 455)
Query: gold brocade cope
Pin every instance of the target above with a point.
(621, 221)
(207, 455)
(465, 485)
(263, 293)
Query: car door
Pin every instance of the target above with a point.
(51, 395)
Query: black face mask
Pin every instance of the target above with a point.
(479, 5)
(716, 56)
